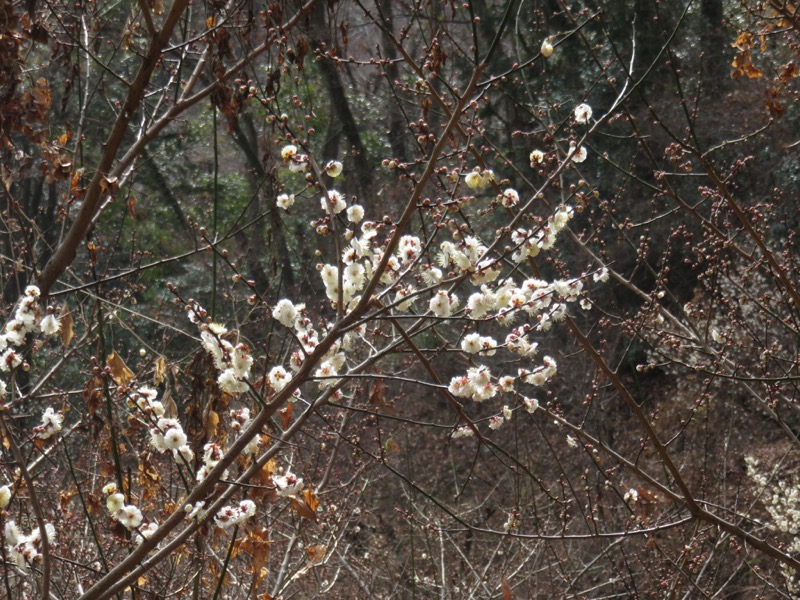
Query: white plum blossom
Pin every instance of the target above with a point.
(471, 343)
(5, 496)
(432, 275)
(506, 383)
(233, 362)
(474, 343)
(333, 203)
(285, 201)
(230, 383)
(327, 372)
(212, 454)
(561, 217)
(355, 213)
(10, 360)
(530, 404)
(513, 521)
(285, 312)
(601, 275)
(115, 503)
(509, 198)
(51, 424)
(146, 531)
(174, 438)
(478, 179)
(583, 112)
(462, 431)
(443, 305)
(241, 361)
(405, 298)
(25, 550)
(50, 325)
(579, 155)
(546, 49)
(333, 168)
(278, 377)
(287, 484)
(288, 151)
(473, 180)
(229, 516)
(130, 516)
(298, 163)
(476, 384)
(536, 157)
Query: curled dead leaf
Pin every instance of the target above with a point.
(305, 504)
(286, 416)
(67, 331)
(119, 370)
(160, 370)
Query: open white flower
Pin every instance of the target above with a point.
(285, 312)
(287, 484)
(333, 168)
(288, 151)
(285, 201)
(114, 503)
(355, 213)
(130, 516)
(50, 325)
(334, 203)
(583, 112)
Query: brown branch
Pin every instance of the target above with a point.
(66, 251)
(697, 512)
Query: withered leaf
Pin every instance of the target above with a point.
(160, 370)
(67, 331)
(316, 554)
(286, 416)
(506, 588)
(119, 370)
(109, 185)
(93, 395)
(305, 504)
(212, 421)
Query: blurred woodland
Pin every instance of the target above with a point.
(400, 299)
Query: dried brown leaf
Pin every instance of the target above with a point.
(67, 331)
(286, 416)
(119, 370)
(160, 370)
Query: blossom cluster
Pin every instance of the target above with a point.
(240, 419)
(478, 178)
(293, 316)
(128, 515)
(287, 484)
(25, 320)
(26, 550)
(232, 361)
(229, 516)
(464, 257)
(782, 500)
(165, 433)
(51, 424)
(212, 454)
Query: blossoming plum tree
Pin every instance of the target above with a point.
(497, 355)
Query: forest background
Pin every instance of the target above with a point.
(386, 299)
